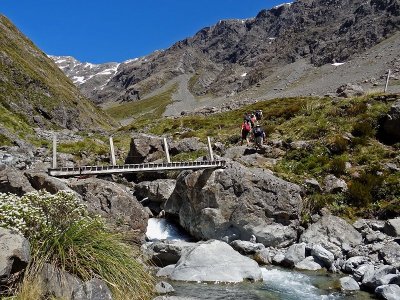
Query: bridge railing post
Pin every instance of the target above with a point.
(112, 153)
(54, 151)
(387, 81)
(210, 151)
(166, 150)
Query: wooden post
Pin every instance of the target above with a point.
(210, 149)
(166, 150)
(113, 161)
(387, 81)
(54, 151)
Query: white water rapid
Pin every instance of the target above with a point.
(162, 229)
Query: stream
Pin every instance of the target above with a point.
(278, 283)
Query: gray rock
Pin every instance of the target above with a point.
(278, 258)
(94, 289)
(145, 148)
(163, 287)
(388, 278)
(323, 255)
(60, 284)
(42, 181)
(372, 280)
(215, 261)
(166, 271)
(236, 203)
(349, 90)
(164, 253)
(115, 203)
(186, 145)
(354, 262)
(15, 253)
(349, 284)
(388, 292)
(392, 227)
(312, 185)
(158, 190)
(309, 263)
(13, 181)
(333, 185)
(263, 257)
(295, 253)
(390, 253)
(246, 247)
(358, 273)
(332, 232)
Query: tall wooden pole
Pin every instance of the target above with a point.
(113, 161)
(54, 151)
(210, 149)
(166, 150)
(387, 81)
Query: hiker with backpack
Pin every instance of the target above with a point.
(245, 131)
(259, 136)
(259, 114)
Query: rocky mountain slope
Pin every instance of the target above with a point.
(35, 93)
(266, 52)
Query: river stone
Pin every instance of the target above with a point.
(115, 203)
(278, 258)
(94, 289)
(389, 278)
(392, 227)
(349, 284)
(358, 273)
(14, 253)
(390, 253)
(166, 271)
(214, 261)
(353, 262)
(371, 280)
(246, 247)
(388, 292)
(309, 264)
(164, 253)
(263, 257)
(163, 287)
(236, 203)
(323, 255)
(295, 253)
(332, 232)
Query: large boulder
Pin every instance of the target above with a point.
(236, 203)
(145, 148)
(42, 181)
(186, 145)
(332, 232)
(372, 279)
(295, 254)
(114, 202)
(14, 253)
(13, 181)
(158, 190)
(94, 289)
(388, 292)
(349, 284)
(213, 261)
(392, 227)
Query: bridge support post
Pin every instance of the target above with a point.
(112, 153)
(210, 149)
(54, 151)
(166, 150)
(387, 81)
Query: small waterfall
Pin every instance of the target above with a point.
(163, 229)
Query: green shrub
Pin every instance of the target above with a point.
(338, 144)
(364, 128)
(357, 108)
(363, 189)
(338, 165)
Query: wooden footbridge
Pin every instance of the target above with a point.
(131, 168)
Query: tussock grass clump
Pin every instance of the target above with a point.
(61, 233)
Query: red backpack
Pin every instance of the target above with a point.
(246, 126)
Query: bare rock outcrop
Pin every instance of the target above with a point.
(236, 203)
(114, 202)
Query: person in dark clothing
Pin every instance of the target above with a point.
(259, 135)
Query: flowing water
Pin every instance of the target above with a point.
(277, 284)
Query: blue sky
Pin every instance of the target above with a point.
(104, 30)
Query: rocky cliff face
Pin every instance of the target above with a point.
(234, 55)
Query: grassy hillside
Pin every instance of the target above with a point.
(340, 138)
(34, 91)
